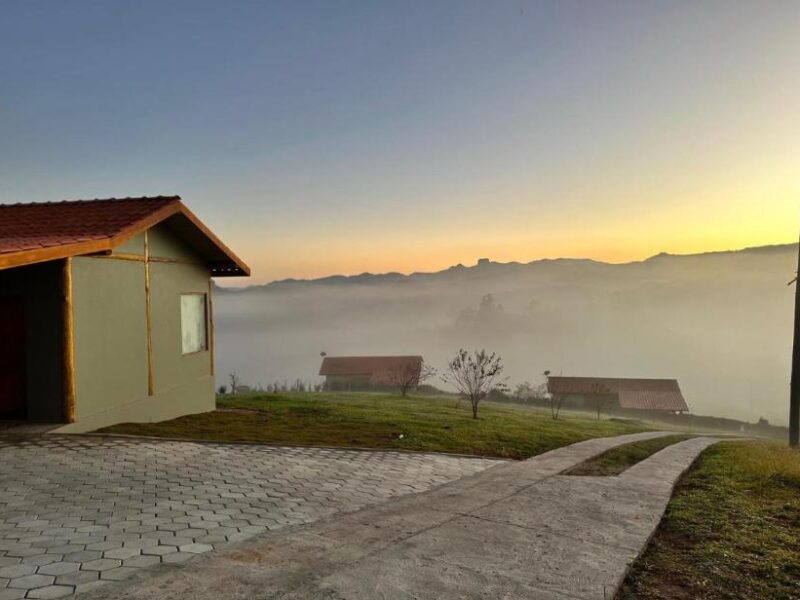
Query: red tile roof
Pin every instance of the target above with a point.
(377, 368)
(41, 225)
(38, 232)
(643, 394)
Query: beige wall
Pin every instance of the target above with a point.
(110, 326)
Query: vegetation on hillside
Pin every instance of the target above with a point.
(731, 530)
(370, 420)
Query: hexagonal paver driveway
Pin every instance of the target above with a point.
(76, 512)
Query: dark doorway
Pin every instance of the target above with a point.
(12, 359)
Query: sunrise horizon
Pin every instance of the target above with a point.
(251, 281)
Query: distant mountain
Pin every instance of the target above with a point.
(486, 266)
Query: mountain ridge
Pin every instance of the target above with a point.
(485, 264)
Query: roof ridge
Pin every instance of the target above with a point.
(90, 200)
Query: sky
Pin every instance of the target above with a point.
(342, 137)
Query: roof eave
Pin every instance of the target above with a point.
(235, 268)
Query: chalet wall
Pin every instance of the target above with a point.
(111, 345)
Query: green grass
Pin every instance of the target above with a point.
(379, 420)
(616, 460)
(731, 530)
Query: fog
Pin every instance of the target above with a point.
(720, 323)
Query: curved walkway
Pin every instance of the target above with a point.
(519, 530)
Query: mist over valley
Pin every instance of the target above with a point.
(721, 323)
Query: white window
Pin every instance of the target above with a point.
(193, 323)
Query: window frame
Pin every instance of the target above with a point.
(206, 322)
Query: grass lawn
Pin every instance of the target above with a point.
(371, 420)
(731, 530)
(616, 460)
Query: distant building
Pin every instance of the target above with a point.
(368, 372)
(656, 395)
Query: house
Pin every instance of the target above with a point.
(617, 394)
(369, 372)
(106, 311)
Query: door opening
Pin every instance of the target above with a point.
(13, 403)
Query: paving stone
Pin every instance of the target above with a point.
(31, 581)
(141, 543)
(41, 559)
(65, 549)
(22, 552)
(51, 591)
(77, 578)
(159, 550)
(102, 546)
(12, 594)
(121, 553)
(101, 564)
(59, 568)
(196, 548)
(83, 556)
(18, 570)
(134, 502)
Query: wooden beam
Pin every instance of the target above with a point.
(152, 259)
(148, 316)
(210, 322)
(120, 256)
(68, 344)
(29, 257)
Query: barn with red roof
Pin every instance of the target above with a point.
(369, 372)
(622, 394)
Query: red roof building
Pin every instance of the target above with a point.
(361, 372)
(106, 311)
(637, 394)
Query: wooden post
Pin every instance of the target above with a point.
(148, 316)
(794, 396)
(210, 322)
(68, 344)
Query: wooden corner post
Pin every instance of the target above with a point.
(148, 316)
(68, 343)
(210, 322)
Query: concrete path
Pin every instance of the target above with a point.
(77, 512)
(519, 530)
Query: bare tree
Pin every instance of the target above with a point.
(409, 376)
(599, 394)
(234, 379)
(473, 375)
(556, 400)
